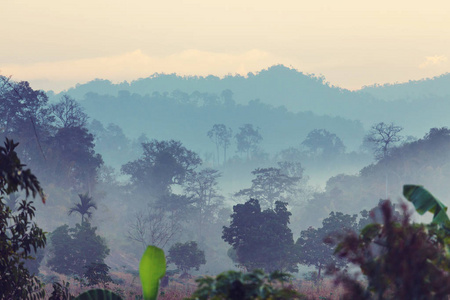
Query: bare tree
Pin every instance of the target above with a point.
(383, 137)
(153, 227)
(69, 113)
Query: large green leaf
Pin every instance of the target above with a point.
(424, 201)
(151, 269)
(98, 294)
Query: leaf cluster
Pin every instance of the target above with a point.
(19, 236)
(234, 285)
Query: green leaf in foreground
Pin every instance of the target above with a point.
(151, 269)
(424, 201)
(98, 294)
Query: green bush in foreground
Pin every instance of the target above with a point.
(234, 285)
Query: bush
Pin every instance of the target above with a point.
(237, 285)
(76, 248)
(400, 260)
(186, 256)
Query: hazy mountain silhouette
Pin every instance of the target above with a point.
(405, 104)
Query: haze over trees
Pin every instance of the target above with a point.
(238, 180)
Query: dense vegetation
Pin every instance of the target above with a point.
(110, 195)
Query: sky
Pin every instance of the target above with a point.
(55, 44)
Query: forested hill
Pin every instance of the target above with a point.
(188, 118)
(438, 86)
(404, 104)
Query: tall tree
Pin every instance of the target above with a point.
(261, 239)
(202, 188)
(19, 234)
(69, 113)
(84, 207)
(312, 247)
(383, 137)
(248, 139)
(162, 164)
(221, 136)
(271, 185)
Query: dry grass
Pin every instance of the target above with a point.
(130, 288)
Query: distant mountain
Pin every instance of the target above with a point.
(417, 105)
(438, 86)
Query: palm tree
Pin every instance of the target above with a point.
(84, 207)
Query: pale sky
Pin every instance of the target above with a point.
(54, 44)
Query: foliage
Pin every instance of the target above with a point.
(162, 164)
(323, 143)
(270, 185)
(312, 248)
(97, 274)
(221, 136)
(262, 239)
(203, 191)
(19, 236)
(83, 208)
(73, 160)
(400, 260)
(234, 285)
(248, 139)
(151, 269)
(186, 256)
(75, 248)
(68, 113)
(61, 291)
(98, 294)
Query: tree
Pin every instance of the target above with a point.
(24, 116)
(312, 248)
(19, 236)
(155, 226)
(73, 161)
(383, 137)
(248, 139)
(261, 239)
(74, 249)
(321, 142)
(270, 185)
(186, 256)
(84, 207)
(221, 136)
(202, 188)
(162, 164)
(69, 113)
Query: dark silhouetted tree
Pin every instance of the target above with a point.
(84, 207)
(312, 248)
(74, 249)
(261, 239)
(20, 238)
(186, 256)
(162, 164)
(383, 137)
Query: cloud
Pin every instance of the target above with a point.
(433, 61)
(132, 65)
